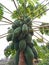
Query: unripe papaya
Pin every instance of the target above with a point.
(12, 46)
(22, 44)
(28, 53)
(16, 45)
(10, 31)
(21, 36)
(17, 57)
(35, 52)
(28, 38)
(9, 37)
(17, 31)
(30, 44)
(27, 19)
(16, 24)
(29, 56)
(25, 29)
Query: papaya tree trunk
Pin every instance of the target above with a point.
(21, 59)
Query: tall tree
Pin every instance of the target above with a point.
(20, 33)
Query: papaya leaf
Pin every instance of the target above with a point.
(41, 52)
(45, 28)
(9, 50)
(21, 1)
(35, 42)
(1, 12)
(40, 40)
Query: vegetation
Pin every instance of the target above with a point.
(22, 46)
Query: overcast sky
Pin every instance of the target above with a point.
(3, 29)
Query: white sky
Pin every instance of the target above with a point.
(3, 29)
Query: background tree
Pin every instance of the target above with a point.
(22, 46)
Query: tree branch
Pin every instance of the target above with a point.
(4, 34)
(6, 22)
(6, 8)
(15, 4)
(38, 38)
(41, 26)
(38, 21)
(7, 19)
(3, 37)
(42, 36)
(7, 12)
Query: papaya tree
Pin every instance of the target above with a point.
(22, 46)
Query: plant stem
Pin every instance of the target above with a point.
(3, 37)
(15, 4)
(6, 22)
(8, 19)
(4, 34)
(42, 36)
(5, 7)
(37, 22)
(7, 12)
(38, 38)
(40, 26)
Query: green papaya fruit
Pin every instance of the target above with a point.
(16, 45)
(12, 45)
(22, 44)
(30, 44)
(16, 24)
(28, 53)
(27, 19)
(14, 38)
(9, 37)
(17, 57)
(17, 31)
(21, 36)
(35, 52)
(29, 23)
(28, 62)
(29, 56)
(28, 38)
(10, 31)
(25, 29)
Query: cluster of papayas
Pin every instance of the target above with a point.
(21, 36)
